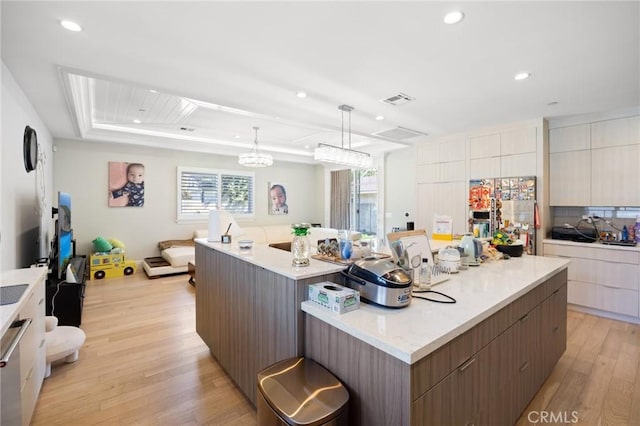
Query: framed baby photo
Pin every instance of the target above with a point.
(278, 198)
(126, 184)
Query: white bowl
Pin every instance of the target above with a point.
(245, 244)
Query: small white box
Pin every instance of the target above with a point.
(334, 297)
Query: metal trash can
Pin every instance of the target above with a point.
(299, 391)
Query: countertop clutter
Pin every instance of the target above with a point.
(411, 333)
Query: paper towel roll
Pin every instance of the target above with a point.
(214, 226)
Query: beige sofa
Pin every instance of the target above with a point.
(179, 254)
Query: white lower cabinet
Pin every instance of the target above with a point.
(32, 351)
(603, 278)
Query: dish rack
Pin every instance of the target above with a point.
(439, 274)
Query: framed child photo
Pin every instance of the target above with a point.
(278, 199)
(126, 184)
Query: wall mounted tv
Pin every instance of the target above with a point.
(63, 251)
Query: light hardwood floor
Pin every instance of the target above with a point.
(144, 364)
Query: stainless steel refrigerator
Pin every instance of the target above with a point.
(507, 204)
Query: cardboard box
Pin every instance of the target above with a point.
(334, 297)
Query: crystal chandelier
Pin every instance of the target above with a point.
(341, 155)
(255, 158)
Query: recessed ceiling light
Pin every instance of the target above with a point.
(522, 76)
(237, 136)
(379, 117)
(137, 121)
(301, 94)
(453, 17)
(307, 147)
(153, 91)
(71, 26)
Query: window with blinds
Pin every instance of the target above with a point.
(200, 190)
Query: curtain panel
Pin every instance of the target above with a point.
(340, 213)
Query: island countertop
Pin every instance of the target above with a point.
(414, 332)
(273, 259)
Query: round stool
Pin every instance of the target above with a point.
(61, 342)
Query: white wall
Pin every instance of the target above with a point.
(26, 197)
(81, 169)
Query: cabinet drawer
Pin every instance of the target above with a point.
(609, 274)
(621, 301)
(592, 251)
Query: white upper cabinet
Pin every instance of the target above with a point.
(480, 168)
(622, 131)
(484, 146)
(570, 178)
(615, 174)
(572, 138)
(453, 150)
(428, 173)
(428, 153)
(518, 141)
(518, 165)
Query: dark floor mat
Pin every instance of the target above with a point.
(11, 294)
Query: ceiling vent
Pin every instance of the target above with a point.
(399, 133)
(398, 99)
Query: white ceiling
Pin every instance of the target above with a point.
(200, 75)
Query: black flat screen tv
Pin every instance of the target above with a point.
(64, 234)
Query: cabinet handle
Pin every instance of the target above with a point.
(41, 300)
(42, 343)
(466, 365)
(524, 366)
(23, 324)
(524, 318)
(555, 329)
(556, 292)
(29, 374)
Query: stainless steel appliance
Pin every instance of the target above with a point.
(380, 281)
(10, 382)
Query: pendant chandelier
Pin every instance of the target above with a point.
(255, 158)
(341, 155)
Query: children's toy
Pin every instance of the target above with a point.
(107, 265)
(108, 260)
(101, 245)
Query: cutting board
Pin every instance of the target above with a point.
(415, 242)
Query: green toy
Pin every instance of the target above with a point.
(101, 245)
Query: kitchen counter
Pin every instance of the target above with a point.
(30, 276)
(478, 361)
(411, 333)
(273, 259)
(598, 244)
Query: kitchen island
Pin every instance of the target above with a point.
(248, 306)
(401, 366)
(478, 361)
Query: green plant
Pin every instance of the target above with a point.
(501, 238)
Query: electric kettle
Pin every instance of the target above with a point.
(471, 247)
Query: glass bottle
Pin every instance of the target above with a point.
(344, 241)
(425, 274)
(300, 246)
